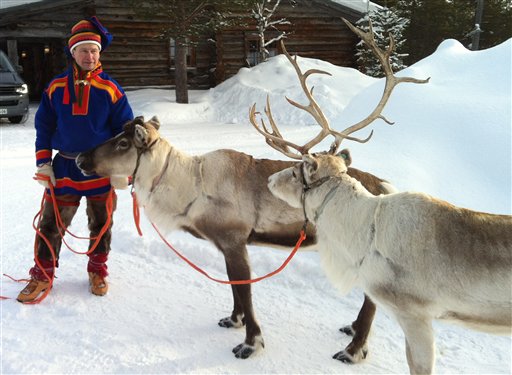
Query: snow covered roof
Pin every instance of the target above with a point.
(361, 6)
(13, 3)
(357, 5)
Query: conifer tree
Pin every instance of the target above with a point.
(384, 22)
(432, 21)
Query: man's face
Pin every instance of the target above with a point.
(86, 56)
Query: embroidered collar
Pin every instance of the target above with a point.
(78, 79)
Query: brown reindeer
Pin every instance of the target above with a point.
(222, 197)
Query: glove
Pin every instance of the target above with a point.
(45, 171)
(119, 182)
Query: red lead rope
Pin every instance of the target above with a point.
(302, 237)
(62, 229)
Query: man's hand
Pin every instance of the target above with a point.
(44, 175)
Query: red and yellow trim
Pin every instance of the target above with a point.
(82, 26)
(55, 84)
(43, 156)
(108, 86)
(83, 109)
(82, 185)
(85, 36)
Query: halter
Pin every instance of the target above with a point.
(140, 151)
(307, 187)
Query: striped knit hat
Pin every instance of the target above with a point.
(84, 32)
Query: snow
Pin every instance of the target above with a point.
(359, 5)
(451, 139)
(11, 3)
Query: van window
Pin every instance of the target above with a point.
(5, 64)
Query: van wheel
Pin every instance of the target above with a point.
(18, 119)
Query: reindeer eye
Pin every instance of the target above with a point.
(294, 174)
(123, 144)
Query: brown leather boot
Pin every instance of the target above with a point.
(99, 285)
(33, 290)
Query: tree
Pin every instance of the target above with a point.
(432, 21)
(385, 22)
(186, 22)
(262, 13)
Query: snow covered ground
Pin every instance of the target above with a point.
(451, 139)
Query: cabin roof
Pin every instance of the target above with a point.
(12, 9)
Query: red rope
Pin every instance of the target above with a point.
(136, 213)
(302, 237)
(62, 230)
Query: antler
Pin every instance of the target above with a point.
(274, 137)
(391, 80)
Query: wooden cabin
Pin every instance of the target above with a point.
(34, 36)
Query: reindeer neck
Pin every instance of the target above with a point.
(161, 162)
(343, 192)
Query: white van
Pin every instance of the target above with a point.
(13, 92)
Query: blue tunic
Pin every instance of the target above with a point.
(78, 111)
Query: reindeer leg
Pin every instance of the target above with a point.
(357, 350)
(419, 343)
(236, 320)
(238, 268)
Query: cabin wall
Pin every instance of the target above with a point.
(315, 31)
(138, 57)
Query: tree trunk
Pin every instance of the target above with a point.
(263, 55)
(181, 72)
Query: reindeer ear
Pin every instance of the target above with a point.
(155, 122)
(345, 155)
(141, 137)
(310, 163)
(129, 126)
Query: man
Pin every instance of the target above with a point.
(79, 109)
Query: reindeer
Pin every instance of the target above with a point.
(417, 256)
(221, 197)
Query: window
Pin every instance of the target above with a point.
(252, 50)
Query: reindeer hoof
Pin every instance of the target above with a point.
(346, 357)
(244, 350)
(348, 330)
(230, 323)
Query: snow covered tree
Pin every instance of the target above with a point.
(432, 21)
(384, 22)
(263, 12)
